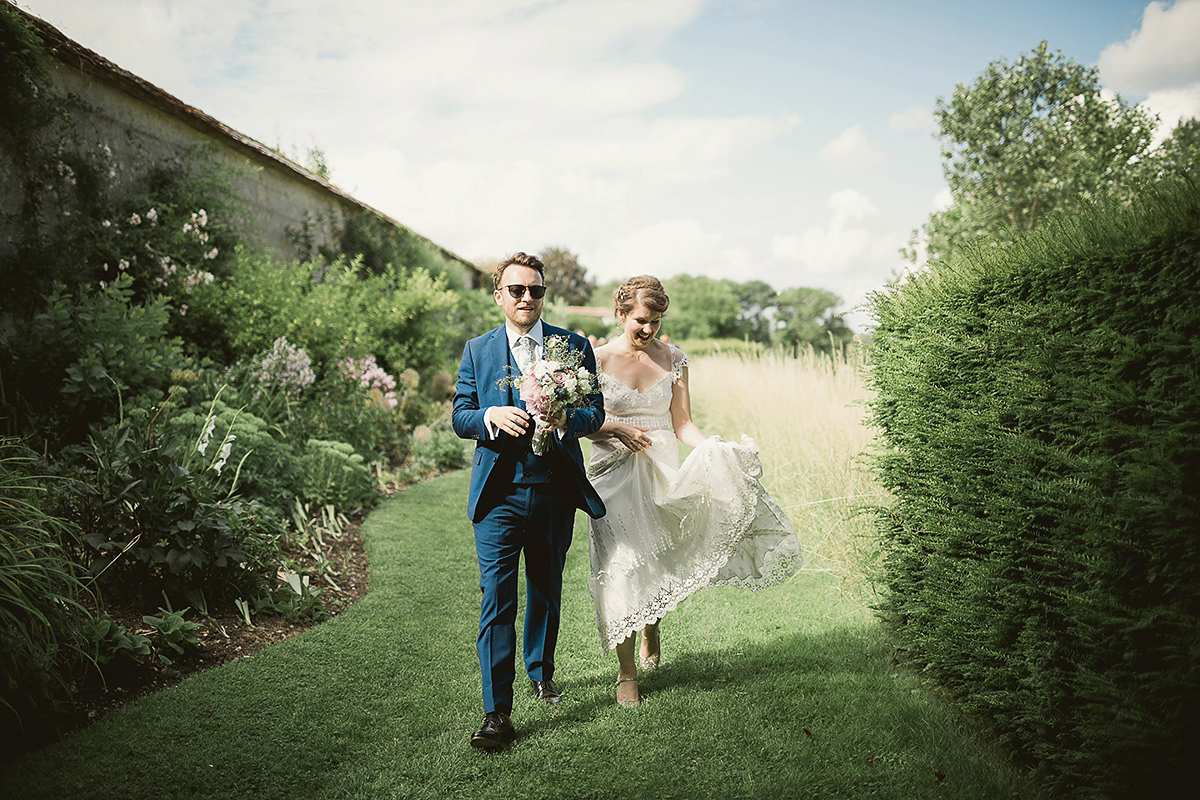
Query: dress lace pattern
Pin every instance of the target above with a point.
(670, 530)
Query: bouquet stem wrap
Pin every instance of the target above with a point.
(541, 438)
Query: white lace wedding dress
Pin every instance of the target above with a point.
(670, 531)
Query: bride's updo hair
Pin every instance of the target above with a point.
(645, 289)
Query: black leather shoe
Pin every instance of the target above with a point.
(546, 692)
(496, 732)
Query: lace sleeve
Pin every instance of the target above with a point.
(679, 360)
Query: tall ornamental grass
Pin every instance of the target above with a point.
(1040, 407)
(807, 415)
(40, 590)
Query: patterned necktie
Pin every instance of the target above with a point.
(524, 352)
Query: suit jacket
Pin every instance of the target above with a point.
(485, 363)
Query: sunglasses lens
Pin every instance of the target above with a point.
(518, 291)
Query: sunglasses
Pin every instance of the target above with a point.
(518, 291)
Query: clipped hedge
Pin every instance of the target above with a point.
(1040, 414)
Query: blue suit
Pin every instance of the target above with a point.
(520, 502)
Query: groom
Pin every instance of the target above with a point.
(519, 500)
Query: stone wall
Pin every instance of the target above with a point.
(135, 126)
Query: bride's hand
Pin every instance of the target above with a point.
(636, 439)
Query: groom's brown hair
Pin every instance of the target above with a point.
(521, 260)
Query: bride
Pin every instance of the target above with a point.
(670, 529)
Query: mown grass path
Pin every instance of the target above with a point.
(790, 692)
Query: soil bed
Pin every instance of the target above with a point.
(224, 636)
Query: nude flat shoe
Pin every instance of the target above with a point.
(626, 701)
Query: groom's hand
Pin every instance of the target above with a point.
(510, 419)
(557, 422)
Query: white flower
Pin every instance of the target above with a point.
(226, 447)
(107, 223)
(121, 265)
(211, 254)
(134, 219)
(152, 215)
(202, 445)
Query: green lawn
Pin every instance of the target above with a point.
(786, 693)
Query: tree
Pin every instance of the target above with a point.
(566, 279)
(805, 317)
(701, 308)
(1027, 140)
(1180, 153)
(756, 299)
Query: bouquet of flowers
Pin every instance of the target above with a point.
(552, 384)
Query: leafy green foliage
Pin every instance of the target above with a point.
(395, 316)
(1027, 140)
(152, 525)
(375, 244)
(243, 452)
(87, 352)
(109, 641)
(294, 599)
(436, 449)
(40, 587)
(331, 473)
(701, 308)
(806, 319)
(339, 409)
(566, 278)
(22, 65)
(1040, 409)
(1179, 155)
(173, 631)
(705, 308)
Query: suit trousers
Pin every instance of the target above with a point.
(534, 519)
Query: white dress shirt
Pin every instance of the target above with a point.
(536, 334)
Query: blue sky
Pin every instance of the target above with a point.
(783, 141)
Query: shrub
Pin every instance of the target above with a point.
(395, 315)
(342, 408)
(151, 524)
(331, 473)
(237, 451)
(87, 353)
(436, 449)
(1040, 408)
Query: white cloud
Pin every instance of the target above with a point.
(665, 248)
(912, 119)
(851, 150)
(676, 148)
(827, 249)
(1163, 54)
(1172, 107)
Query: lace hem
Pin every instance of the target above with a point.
(776, 569)
(742, 539)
